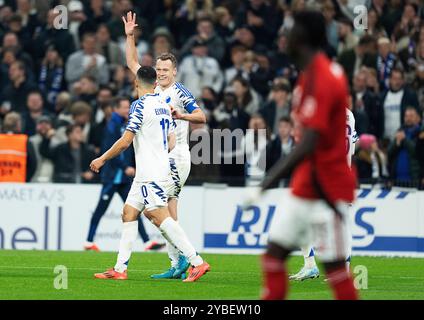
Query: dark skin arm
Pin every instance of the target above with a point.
(283, 167)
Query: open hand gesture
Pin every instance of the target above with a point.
(129, 23)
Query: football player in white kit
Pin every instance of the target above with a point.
(310, 269)
(184, 110)
(150, 127)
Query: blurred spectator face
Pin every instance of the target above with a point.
(51, 15)
(257, 123)
(76, 135)
(43, 127)
(230, 101)
(396, 81)
(200, 51)
(328, 11)
(24, 6)
(207, 94)
(409, 12)
(5, 14)
(89, 44)
(166, 73)
(343, 30)
(384, 48)
(125, 5)
(82, 119)
(96, 4)
(119, 75)
(52, 55)
(223, 16)
(263, 61)
(411, 117)
(245, 36)
(282, 42)
(237, 55)
(359, 82)
(284, 129)
(372, 18)
(279, 95)
(16, 24)
(104, 96)
(161, 45)
(9, 57)
(34, 102)
(147, 60)
(103, 35)
(205, 28)
(63, 101)
(239, 88)
(249, 60)
(10, 40)
(15, 72)
(87, 85)
(123, 108)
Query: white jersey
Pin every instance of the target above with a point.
(351, 135)
(150, 119)
(180, 98)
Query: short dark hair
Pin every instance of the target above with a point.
(397, 70)
(286, 119)
(168, 56)
(146, 75)
(117, 101)
(71, 128)
(313, 30)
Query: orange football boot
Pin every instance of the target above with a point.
(195, 273)
(111, 274)
(92, 247)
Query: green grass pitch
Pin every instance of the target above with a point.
(30, 275)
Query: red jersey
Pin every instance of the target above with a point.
(319, 102)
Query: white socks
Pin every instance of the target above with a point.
(173, 254)
(309, 260)
(128, 237)
(172, 232)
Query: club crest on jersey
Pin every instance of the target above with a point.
(168, 99)
(309, 107)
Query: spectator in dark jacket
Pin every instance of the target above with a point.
(71, 159)
(403, 159)
(278, 107)
(281, 146)
(35, 109)
(395, 101)
(15, 94)
(50, 78)
(366, 108)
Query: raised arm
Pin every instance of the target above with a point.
(131, 50)
(119, 146)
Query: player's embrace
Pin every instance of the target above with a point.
(150, 128)
(185, 110)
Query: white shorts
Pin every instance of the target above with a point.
(306, 221)
(180, 170)
(147, 195)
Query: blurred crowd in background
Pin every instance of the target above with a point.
(59, 86)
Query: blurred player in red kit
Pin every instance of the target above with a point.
(322, 184)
